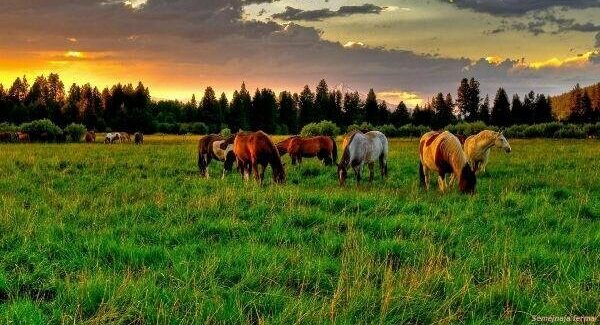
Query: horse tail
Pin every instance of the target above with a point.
(421, 174)
(334, 153)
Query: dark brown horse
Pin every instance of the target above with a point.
(205, 152)
(283, 146)
(322, 147)
(90, 137)
(254, 149)
(139, 138)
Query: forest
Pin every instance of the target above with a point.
(131, 108)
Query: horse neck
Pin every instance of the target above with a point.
(486, 140)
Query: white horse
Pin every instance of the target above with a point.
(113, 137)
(222, 150)
(361, 149)
(477, 148)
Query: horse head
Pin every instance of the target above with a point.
(502, 143)
(342, 172)
(467, 180)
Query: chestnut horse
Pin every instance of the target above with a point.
(441, 152)
(90, 137)
(322, 147)
(254, 149)
(205, 155)
(283, 146)
(363, 148)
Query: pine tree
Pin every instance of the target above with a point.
(542, 109)
(473, 100)
(484, 110)
(223, 111)
(578, 112)
(517, 112)
(288, 112)
(383, 114)
(462, 99)
(336, 101)
(323, 105)
(306, 105)
(209, 110)
(352, 111)
(400, 116)
(71, 109)
(246, 105)
(443, 112)
(423, 116)
(371, 108)
(500, 115)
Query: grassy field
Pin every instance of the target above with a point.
(131, 234)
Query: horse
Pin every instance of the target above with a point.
(222, 150)
(462, 139)
(282, 146)
(111, 138)
(7, 137)
(252, 149)
(90, 137)
(138, 138)
(125, 137)
(205, 145)
(23, 137)
(441, 152)
(478, 147)
(360, 149)
(322, 147)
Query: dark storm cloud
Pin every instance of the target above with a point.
(519, 7)
(547, 21)
(295, 14)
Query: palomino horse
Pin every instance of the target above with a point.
(111, 138)
(363, 148)
(478, 147)
(441, 152)
(90, 137)
(205, 155)
(322, 147)
(138, 138)
(222, 151)
(254, 149)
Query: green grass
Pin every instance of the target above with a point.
(131, 234)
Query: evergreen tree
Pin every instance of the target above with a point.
(246, 105)
(484, 110)
(578, 113)
(473, 100)
(336, 101)
(264, 106)
(371, 108)
(209, 110)
(383, 114)
(71, 109)
(400, 116)
(542, 109)
(306, 105)
(288, 112)
(518, 114)
(352, 109)
(423, 116)
(443, 112)
(323, 104)
(462, 99)
(19, 90)
(529, 108)
(500, 115)
(223, 111)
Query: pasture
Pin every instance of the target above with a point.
(131, 234)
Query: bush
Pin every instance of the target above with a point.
(7, 127)
(516, 131)
(225, 132)
(321, 128)
(467, 129)
(592, 130)
(410, 130)
(75, 132)
(42, 130)
(168, 128)
(362, 127)
(198, 128)
(389, 130)
(570, 131)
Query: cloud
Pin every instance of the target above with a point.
(294, 14)
(519, 7)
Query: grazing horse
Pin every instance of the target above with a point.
(478, 147)
(90, 137)
(283, 146)
(125, 137)
(222, 150)
(138, 138)
(23, 137)
(441, 152)
(205, 146)
(322, 147)
(363, 148)
(111, 138)
(254, 149)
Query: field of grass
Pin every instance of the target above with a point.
(131, 234)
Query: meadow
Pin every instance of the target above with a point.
(131, 234)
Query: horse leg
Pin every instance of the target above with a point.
(442, 182)
(262, 173)
(255, 171)
(371, 171)
(383, 166)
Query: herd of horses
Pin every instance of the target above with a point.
(440, 152)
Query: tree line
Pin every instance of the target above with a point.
(130, 108)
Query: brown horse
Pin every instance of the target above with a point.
(283, 146)
(23, 137)
(254, 149)
(8, 137)
(205, 152)
(90, 137)
(441, 152)
(139, 138)
(322, 147)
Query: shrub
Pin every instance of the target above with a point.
(362, 127)
(467, 129)
(198, 128)
(225, 132)
(42, 130)
(570, 131)
(592, 130)
(410, 130)
(321, 128)
(516, 131)
(389, 130)
(7, 127)
(75, 132)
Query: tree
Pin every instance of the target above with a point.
(500, 115)
(473, 100)
(400, 116)
(518, 114)
(264, 106)
(19, 90)
(371, 108)
(70, 111)
(442, 110)
(542, 109)
(306, 105)
(423, 116)
(323, 105)
(288, 112)
(209, 110)
(579, 110)
(223, 111)
(383, 114)
(484, 110)
(352, 109)
(336, 101)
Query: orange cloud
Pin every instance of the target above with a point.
(409, 98)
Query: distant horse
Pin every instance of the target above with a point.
(322, 147)
(222, 151)
(283, 146)
(360, 149)
(90, 137)
(441, 152)
(23, 137)
(478, 147)
(254, 149)
(138, 138)
(205, 147)
(111, 138)
(125, 137)
(8, 137)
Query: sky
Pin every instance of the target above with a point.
(404, 49)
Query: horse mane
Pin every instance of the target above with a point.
(346, 154)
